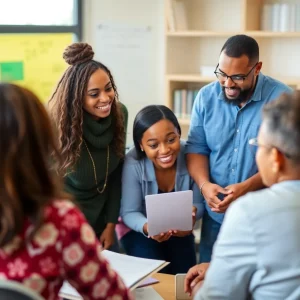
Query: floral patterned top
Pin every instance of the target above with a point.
(64, 248)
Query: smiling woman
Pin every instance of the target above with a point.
(91, 124)
(157, 165)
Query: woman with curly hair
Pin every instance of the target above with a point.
(91, 125)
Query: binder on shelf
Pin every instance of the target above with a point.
(266, 17)
(177, 103)
(170, 15)
(276, 17)
(180, 15)
(284, 17)
(297, 17)
(176, 15)
(280, 17)
(183, 101)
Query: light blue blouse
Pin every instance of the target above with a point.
(257, 253)
(139, 180)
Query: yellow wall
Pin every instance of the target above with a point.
(34, 60)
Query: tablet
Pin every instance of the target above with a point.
(169, 211)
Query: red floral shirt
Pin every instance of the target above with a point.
(64, 248)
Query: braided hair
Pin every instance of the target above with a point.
(67, 100)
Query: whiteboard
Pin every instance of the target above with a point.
(126, 50)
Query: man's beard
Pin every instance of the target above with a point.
(243, 96)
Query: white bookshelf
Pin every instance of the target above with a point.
(209, 24)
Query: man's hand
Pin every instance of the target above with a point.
(194, 276)
(238, 190)
(107, 237)
(210, 192)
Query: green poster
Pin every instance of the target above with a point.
(11, 71)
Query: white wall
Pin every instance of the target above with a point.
(140, 13)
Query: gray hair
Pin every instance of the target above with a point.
(282, 120)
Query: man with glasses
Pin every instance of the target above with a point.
(226, 114)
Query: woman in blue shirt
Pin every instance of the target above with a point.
(156, 164)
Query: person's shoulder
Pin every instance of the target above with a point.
(59, 208)
(254, 203)
(131, 154)
(275, 85)
(209, 92)
(132, 158)
(213, 87)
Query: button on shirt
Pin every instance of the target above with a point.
(221, 131)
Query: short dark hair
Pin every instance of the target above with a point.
(242, 44)
(282, 119)
(147, 117)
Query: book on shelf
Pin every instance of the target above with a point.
(133, 270)
(183, 101)
(280, 17)
(170, 15)
(176, 15)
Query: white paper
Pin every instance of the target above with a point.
(68, 292)
(169, 211)
(131, 269)
(147, 293)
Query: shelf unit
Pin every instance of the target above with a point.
(209, 25)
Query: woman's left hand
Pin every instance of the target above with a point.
(107, 237)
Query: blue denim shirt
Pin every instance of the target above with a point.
(221, 131)
(139, 180)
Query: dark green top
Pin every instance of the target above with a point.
(99, 209)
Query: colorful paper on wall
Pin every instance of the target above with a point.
(34, 60)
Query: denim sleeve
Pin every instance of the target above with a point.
(196, 142)
(233, 260)
(198, 200)
(132, 197)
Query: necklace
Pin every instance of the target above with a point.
(95, 174)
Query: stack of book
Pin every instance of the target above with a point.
(282, 17)
(183, 101)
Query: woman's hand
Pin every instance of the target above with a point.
(164, 236)
(107, 237)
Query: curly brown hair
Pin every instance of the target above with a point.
(67, 101)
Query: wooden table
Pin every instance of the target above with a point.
(166, 285)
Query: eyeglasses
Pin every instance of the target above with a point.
(238, 79)
(254, 143)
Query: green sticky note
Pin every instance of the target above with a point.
(11, 71)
